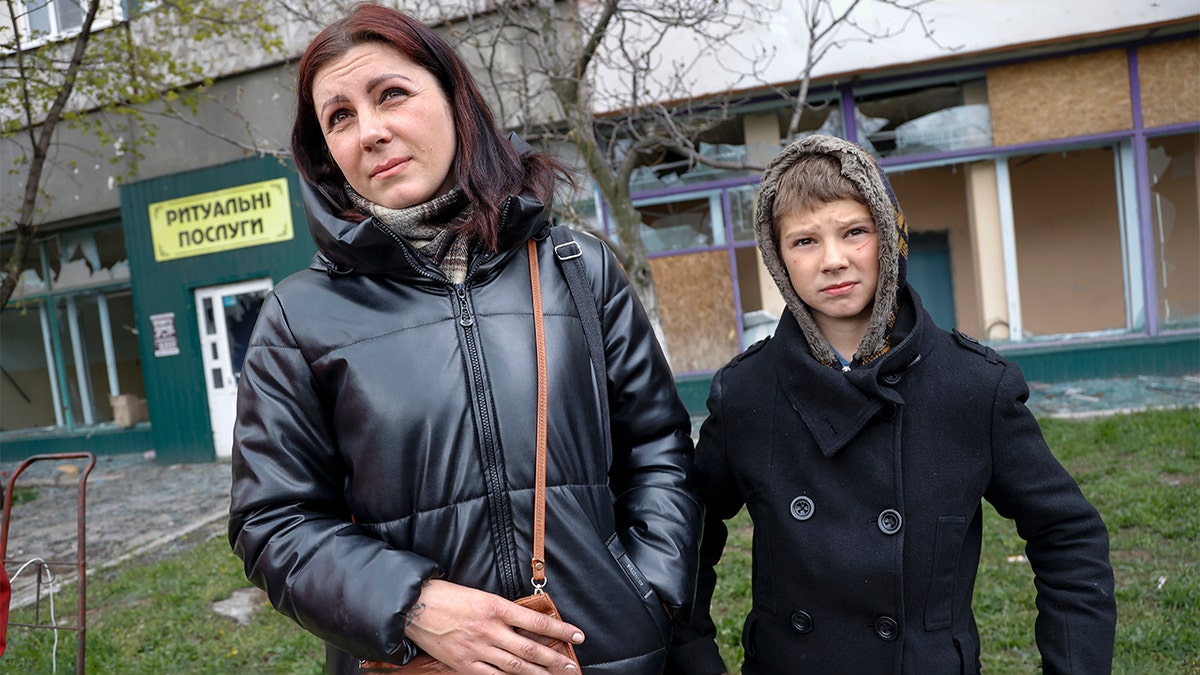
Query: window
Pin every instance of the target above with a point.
(47, 20)
(923, 120)
(52, 18)
(580, 210)
(692, 222)
(741, 210)
(1067, 226)
(1176, 222)
(68, 340)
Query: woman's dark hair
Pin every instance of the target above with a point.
(486, 165)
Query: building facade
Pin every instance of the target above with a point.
(1049, 181)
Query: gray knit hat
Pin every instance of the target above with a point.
(861, 169)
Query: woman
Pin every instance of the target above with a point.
(383, 458)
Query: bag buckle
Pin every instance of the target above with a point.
(568, 251)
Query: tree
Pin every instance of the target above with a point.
(616, 81)
(110, 80)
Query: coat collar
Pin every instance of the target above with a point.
(836, 405)
(368, 247)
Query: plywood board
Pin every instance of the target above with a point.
(1059, 98)
(695, 293)
(1169, 75)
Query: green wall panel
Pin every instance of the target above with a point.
(175, 388)
(100, 442)
(1169, 355)
(1161, 355)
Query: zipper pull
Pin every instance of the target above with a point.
(465, 318)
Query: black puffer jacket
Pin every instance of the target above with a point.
(385, 435)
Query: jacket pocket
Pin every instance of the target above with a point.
(968, 652)
(641, 585)
(940, 596)
(749, 643)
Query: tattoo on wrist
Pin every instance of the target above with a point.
(413, 612)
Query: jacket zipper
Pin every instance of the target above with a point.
(500, 509)
(499, 505)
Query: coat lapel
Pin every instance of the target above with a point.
(836, 405)
(833, 409)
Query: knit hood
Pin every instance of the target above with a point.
(861, 169)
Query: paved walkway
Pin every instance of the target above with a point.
(138, 508)
(134, 508)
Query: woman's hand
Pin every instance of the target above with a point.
(474, 631)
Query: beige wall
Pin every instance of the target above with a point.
(987, 249)
(25, 400)
(1068, 241)
(935, 200)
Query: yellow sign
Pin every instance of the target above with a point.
(238, 217)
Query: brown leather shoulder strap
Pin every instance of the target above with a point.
(539, 504)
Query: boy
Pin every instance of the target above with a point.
(861, 438)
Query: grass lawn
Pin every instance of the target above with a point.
(1142, 471)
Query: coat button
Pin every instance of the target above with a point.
(802, 508)
(886, 628)
(889, 521)
(801, 621)
(891, 379)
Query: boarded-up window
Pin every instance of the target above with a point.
(695, 293)
(1169, 75)
(1059, 98)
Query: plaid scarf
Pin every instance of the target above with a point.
(429, 227)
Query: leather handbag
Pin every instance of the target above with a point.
(540, 600)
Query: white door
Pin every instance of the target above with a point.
(226, 316)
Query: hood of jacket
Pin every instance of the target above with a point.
(861, 169)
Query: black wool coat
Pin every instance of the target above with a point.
(865, 489)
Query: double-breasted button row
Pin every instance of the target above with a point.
(885, 627)
(889, 520)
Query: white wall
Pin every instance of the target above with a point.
(774, 44)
